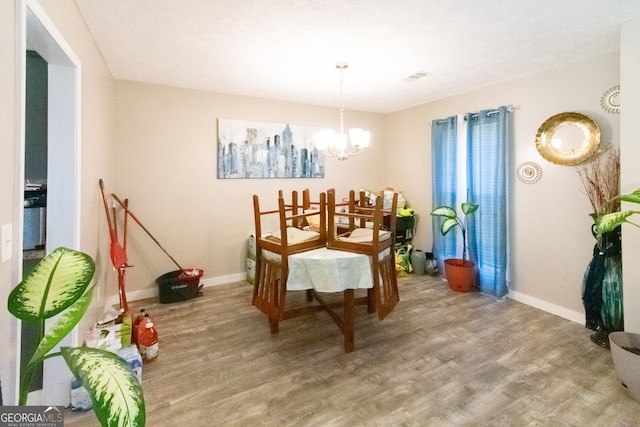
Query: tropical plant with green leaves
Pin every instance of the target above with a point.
(452, 220)
(609, 222)
(59, 286)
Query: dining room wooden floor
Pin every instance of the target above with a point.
(441, 358)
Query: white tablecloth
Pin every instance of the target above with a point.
(327, 270)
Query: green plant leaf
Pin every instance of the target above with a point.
(447, 225)
(611, 221)
(65, 323)
(444, 211)
(114, 389)
(631, 197)
(468, 208)
(55, 283)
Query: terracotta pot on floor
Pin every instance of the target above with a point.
(460, 274)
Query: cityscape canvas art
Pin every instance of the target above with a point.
(249, 149)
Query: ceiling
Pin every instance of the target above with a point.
(287, 49)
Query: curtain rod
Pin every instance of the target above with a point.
(510, 109)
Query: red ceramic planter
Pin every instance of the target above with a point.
(460, 274)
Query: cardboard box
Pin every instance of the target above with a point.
(251, 252)
(251, 270)
(112, 337)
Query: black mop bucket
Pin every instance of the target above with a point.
(179, 285)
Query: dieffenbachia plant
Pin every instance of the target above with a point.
(609, 222)
(59, 285)
(451, 220)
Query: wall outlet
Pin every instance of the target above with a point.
(6, 242)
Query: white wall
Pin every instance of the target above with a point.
(629, 174)
(165, 145)
(551, 242)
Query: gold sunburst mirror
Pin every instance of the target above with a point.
(568, 138)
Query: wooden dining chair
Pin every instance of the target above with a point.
(304, 206)
(292, 234)
(363, 231)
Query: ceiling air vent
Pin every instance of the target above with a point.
(418, 75)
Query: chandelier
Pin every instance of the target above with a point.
(337, 145)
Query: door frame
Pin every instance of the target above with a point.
(35, 31)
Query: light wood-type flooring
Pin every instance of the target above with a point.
(441, 358)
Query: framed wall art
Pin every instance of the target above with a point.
(249, 149)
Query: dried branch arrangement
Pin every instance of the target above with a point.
(601, 180)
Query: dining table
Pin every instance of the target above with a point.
(326, 270)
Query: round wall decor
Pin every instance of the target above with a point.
(610, 100)
(529, 172)
(568, 138)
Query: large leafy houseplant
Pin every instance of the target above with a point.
(452, 220)
(609, 222)
(602, 282)
(610, 225)
(625, 346)
(460, 273)
(59, 286)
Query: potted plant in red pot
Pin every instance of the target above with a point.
(460, 273)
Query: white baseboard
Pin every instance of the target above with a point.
(222, 280)
(565, 313)
(113, 301)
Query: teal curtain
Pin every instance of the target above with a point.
(444, 136)
(488, 149)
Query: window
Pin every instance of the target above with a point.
(482, 168)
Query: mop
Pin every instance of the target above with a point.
(184, 273)
(117, 251)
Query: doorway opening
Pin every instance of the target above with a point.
(59, 221)
(35, 194)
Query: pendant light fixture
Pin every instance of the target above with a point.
(337, 145)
